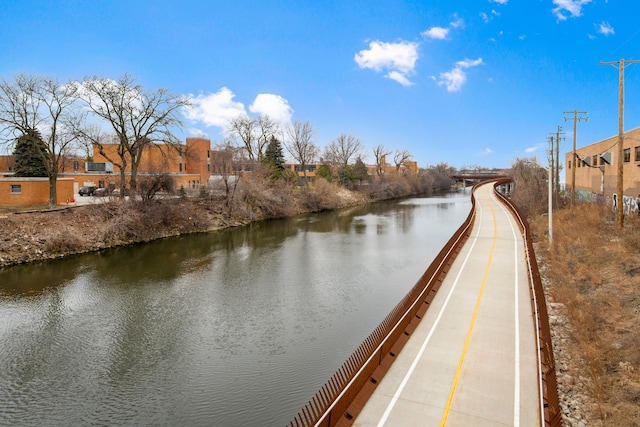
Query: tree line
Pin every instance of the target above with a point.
(53, 120)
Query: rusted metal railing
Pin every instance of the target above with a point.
(341, 399)
(548, 384)
(344, 395)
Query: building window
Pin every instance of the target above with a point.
(594, 162)
(637, 154)
(75, 165)
(627, 155)
(16, 189)
(208, 168)
(569, 164)
(208, 154)
(601, 161)
(180, 167)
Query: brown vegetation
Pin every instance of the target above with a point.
(592, 275)
(33, 235)
(27, 236)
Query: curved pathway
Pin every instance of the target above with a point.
(472, 359)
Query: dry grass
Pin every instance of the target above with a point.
(594, 271)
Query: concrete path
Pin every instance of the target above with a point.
(472, 359)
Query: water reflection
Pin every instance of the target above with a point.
(238, 327)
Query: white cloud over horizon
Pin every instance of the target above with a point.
(219, 108)
(214, 109)
(274, 106)
(398, 59)
(531, 149)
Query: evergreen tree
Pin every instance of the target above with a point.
(360, 171)
(274, 153)
(324, 171)
(274, 158)
(29, 154)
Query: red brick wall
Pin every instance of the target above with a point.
(33, 191)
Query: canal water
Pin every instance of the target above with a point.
(232, 328)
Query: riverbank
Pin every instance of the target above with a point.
(41, 234)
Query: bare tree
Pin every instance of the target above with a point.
(531, 185)
(42, 104)
(380, 153)
(298, 143)
(137, 116)
(267, 129)
(243, 128)
(222, 164)
(342, 149)
(400, 157)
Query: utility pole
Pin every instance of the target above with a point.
(620, 64)
(556, 148)
(577, 117)
(552, 163)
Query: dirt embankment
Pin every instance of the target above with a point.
(37, 235)
(592, 276)
(45, 234)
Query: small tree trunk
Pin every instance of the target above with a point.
(53, 191)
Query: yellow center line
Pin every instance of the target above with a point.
(452, 392)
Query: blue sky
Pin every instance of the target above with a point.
(476, 82)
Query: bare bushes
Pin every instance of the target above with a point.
(531, 187)
(64, 240)
(143, 221)
(594, 273)
(389, 187)
(261, 199)
(323, 195)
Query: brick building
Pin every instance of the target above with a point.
(190, 165)
(596, 168)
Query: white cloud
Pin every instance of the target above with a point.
(198, 133)
(457, 77)
(436, 33)
(398, 58)
(531, 149)
(274, 106)
(215, 109)
(441, 33)
(467, 63)
(605, 28)
(568, 8)
(454, 79)
(218, 109)
(458, 23)
(488, 150)
(488, 18)
(499, 1)
(400, 78)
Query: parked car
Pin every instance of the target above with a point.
(116, 192)
(101, 192)
(86, 190)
